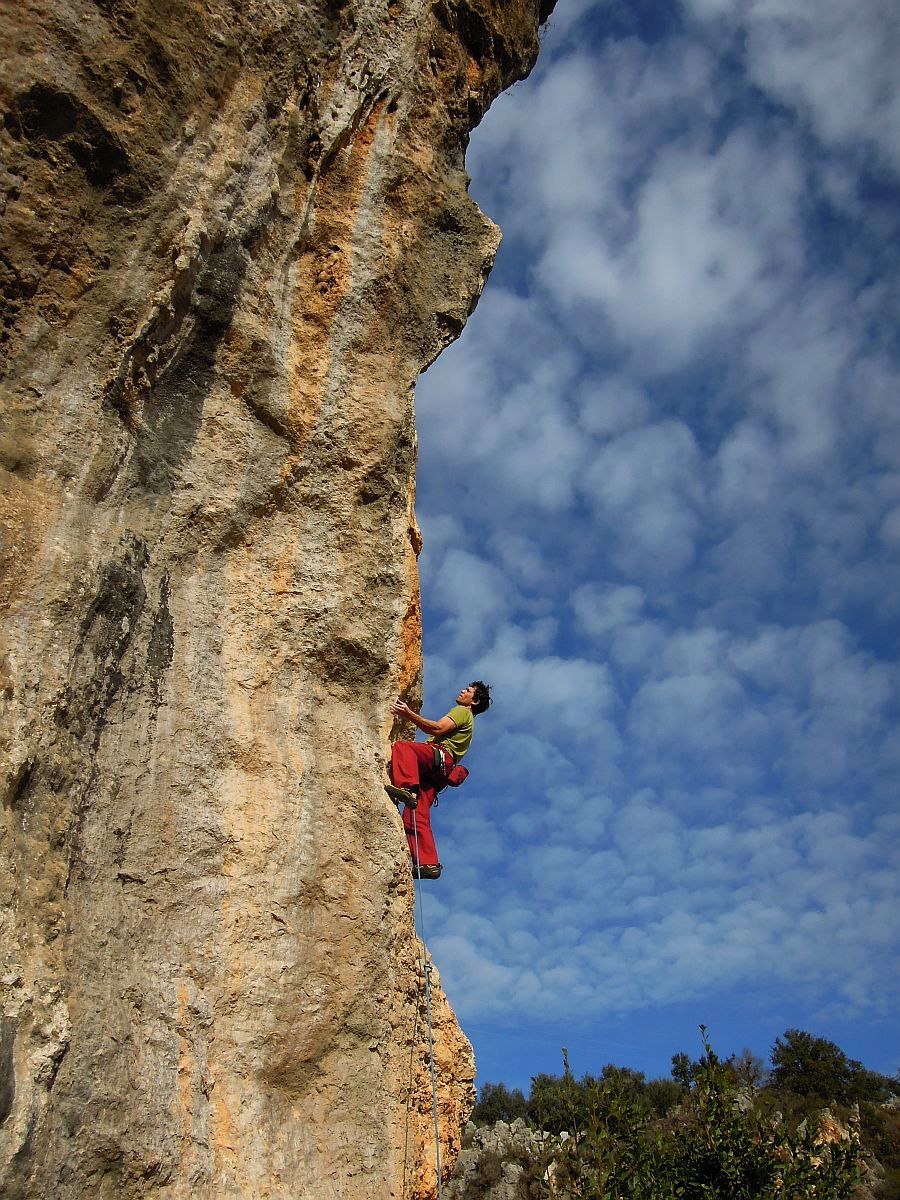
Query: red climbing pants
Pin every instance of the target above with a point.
(412, 765)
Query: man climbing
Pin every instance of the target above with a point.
(419, 770)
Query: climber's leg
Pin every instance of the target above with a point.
(417, 823)
(412, 767)
(412, 764)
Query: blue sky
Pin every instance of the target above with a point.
(659, 484)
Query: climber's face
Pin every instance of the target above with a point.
(466, 697)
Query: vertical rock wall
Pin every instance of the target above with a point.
(233, 233)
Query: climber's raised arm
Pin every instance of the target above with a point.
(434, 728)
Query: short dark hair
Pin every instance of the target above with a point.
(482, 701)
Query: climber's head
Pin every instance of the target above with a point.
(481, 696)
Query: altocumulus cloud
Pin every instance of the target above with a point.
(660, 492)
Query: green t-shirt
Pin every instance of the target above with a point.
(459, 741)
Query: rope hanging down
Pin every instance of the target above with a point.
(426, 968)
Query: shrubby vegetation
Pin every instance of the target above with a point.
(497, 1103)
(716, 1130)
(812, 1066)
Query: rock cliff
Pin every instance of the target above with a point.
(503, 1162)
(233, 234)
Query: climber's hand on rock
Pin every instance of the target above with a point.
(400, 709)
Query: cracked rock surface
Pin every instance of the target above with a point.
(233, 234)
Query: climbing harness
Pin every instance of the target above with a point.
(426, 971)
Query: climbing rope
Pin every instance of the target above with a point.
(426, 970)
(409, 1090)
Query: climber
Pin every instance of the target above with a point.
(419, 770)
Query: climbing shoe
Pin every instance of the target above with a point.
(424, 872)
(402, 795)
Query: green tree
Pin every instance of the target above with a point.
(555, 1103)
(816, 1067)
(683, 1069)
(624, 1079)
(496, 1102)
(733, 1150)
(662, 1095)
(810, 1066)
(750, 1068)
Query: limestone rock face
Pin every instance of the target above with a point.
(504, 1162)
(233, 233)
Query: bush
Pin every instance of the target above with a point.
(814, 1066)
(881, 1133)
(719, 1145)
(662, 1095)
(555, 1104)
(488, 1171)
(497, 1103)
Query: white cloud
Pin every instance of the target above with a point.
(669, 941)
(521, 557)
(801, 358)
(712, 231)
(668, 477)
(441, 532)
(673, 914)
(554, 698)
(500, 412)
(890, 527)
(518, 750)
(610, 406)
(670, 246)
(748, 469)
(602, 607)
(646, 486)
(691, 712)
(818, 664)
(476, 596)
(836, 64)
(693, 651)
(638, 646)
(873, 385)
